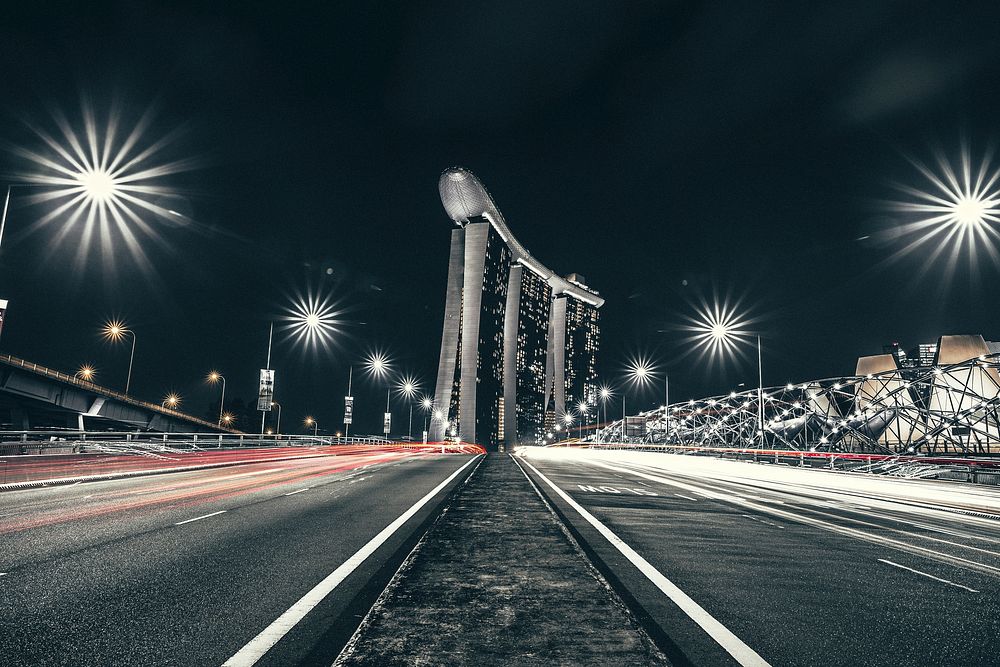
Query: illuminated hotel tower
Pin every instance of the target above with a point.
(518, 341)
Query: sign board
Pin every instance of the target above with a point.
(3, 312)
(387, 423)
(348, 409)
(265, 394)
(635, 427)
(425, 437)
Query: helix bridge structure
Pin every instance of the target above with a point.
(949, 408)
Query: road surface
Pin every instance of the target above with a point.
(189, 568)
(740, 563)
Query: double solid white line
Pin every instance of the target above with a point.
(733, 645)
(269, 636)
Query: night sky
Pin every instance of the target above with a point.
(669, 152)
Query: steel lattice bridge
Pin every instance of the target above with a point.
(949, 409)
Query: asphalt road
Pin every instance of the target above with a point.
(188, 568)
(739, 563)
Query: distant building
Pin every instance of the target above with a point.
(519, 343)
(921, 356)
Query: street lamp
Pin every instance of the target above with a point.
(604, 393)
(227, 419)
(408, 389)
(115, 331)
(215, 377)
(86, 373)
(639, 372)
(720, 330)
(428, 405)
(581, 407)
(171, 401)
(377, 366)
(309, 421)
(277, 427)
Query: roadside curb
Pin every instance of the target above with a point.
(62, 481)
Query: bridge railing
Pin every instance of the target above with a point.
(17, 362)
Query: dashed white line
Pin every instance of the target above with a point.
(199, 518)
(764, 521)
(725, 637)
(3, 574)
(269, 636)
(299, 491)
(681, 495)
(929, 576)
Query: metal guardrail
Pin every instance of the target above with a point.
(16, 362)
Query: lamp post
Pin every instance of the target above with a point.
(277, 427)
(639, 372)
(114, 331)
(377, 367)
(215, 377)
(604, 393)
(408, 389)
(427, 404)
(582, 409)
(309, 421)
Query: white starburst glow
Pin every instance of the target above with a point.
(955, 213)
(101, 182)
(639, 372)
(313, 320)
(408, 387)
(377, 365)
(718, 329)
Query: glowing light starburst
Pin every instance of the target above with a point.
(115, 330)
(639, 372)
(171, 401)
(86, 373)
(408, 387)
(955, 213)
(377, 365)
(313, 320)
(102, 181)
(718, 329)
(604, 392)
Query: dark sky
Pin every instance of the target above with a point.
(667, 151)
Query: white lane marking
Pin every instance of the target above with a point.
(199, 518)
(929, 576)
(269, 636)
(733, 645)
(3, 574)
(299, 491)
(833, 528)
(681, 495)
(764, 521)
(359, 479)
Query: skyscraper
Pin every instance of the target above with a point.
(517, 338)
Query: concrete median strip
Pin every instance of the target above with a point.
(272, 634)
(722, 635)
